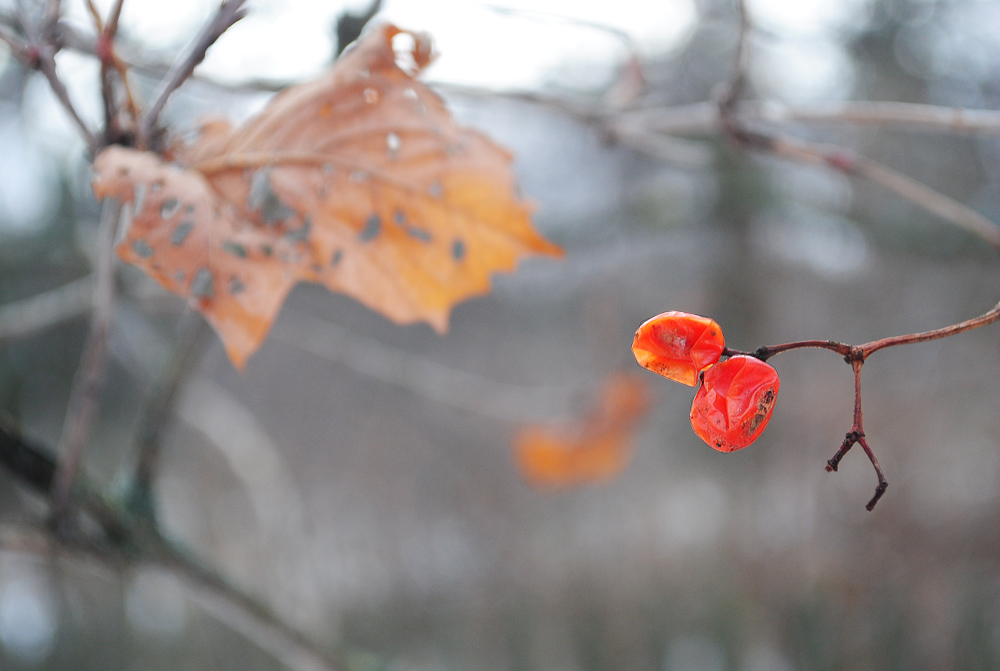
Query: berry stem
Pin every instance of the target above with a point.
(863, 351)
(856, 356)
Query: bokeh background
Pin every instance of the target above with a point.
(359, 476)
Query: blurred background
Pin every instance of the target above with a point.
(360, 476)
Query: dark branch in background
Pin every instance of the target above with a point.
(126, 541)
(229, 13)
(350, 26)
(856, 355)
(156, 410)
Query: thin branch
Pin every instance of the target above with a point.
(847, 162)
(931, 200)
(989, 317)
(733, 89)
(229, 13)
(421, 375)
(703, 118)
(89, 379)
(862, 352)
(41, 311)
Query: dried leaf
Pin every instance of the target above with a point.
(595, 450)
(360, 181)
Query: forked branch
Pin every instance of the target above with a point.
(856, 355)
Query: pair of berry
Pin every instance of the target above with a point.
(734, 401)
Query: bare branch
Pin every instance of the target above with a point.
(931, 200)
(229, 13)
(89, 379)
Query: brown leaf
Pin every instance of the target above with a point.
(360, 181)
(596, 449)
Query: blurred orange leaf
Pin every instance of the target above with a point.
(360, 181)
(594, 450)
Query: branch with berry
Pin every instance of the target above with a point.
(736, 395)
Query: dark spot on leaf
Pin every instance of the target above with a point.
(203, 286)
(236, 286)
(458, 249)
(169, 207)
(189, 208)
(435, 190)
(399, 217)
(142, 248)
(419, 234)
(317, 268)
(266, 250)
(181, 232)
(337, 256)
(234, 248)
(371, 230)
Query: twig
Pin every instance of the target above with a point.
(89, 379)
(703, 118)
(46, 309)
(42, 54)
(731, 90)
(229, 13)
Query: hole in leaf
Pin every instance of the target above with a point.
(393, 142)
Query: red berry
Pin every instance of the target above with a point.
(678, 345)
(734, 402)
